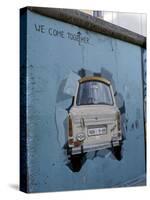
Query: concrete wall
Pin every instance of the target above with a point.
(52, 56)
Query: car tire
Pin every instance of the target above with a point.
(117, 151)
(76, 162)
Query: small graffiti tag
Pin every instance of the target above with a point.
(52, 32)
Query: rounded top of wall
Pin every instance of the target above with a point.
(91, 23)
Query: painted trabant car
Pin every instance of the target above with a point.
(94, 118)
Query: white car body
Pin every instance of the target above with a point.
(94, 126)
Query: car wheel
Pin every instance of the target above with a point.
(117, 152)
(77, 161)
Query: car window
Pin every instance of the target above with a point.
(94, 92)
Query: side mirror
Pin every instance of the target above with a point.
(71, 104)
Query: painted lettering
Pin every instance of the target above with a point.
(40, 28)
(78, 37)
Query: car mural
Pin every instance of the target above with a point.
(94, 118)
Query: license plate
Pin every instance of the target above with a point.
(97, 131)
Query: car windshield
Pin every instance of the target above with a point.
(93, 93)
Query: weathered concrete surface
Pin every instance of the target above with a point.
(55, 50)
(91, 23)
(138, 181)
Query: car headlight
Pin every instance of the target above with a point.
(80, 136)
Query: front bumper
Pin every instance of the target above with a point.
(94, 147)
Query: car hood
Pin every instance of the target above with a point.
(94, 111)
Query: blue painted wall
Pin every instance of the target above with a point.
(50, 60)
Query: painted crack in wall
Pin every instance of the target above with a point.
(68, 87)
